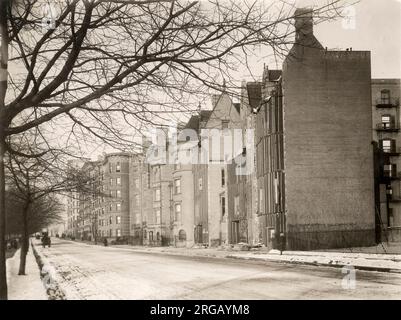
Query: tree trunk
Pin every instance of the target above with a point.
(3, 278)
(24, 240)
(3, 90)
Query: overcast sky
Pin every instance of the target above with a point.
(377, 29)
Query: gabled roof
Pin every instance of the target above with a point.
(194, 121)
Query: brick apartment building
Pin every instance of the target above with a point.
(102, 211)
(386, 124)
(317, 159)
(140, 198)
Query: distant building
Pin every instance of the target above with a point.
(114, 177)
(72, 202)
(140, 198)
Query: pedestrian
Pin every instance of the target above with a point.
(105, 242)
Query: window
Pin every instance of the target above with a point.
(118, 232)
(385, 96)
(111, 207)
(111, 193)
(136, 183)
(118, 192)
(157, 195)
(158, 236)
(177, 186)
(111, 181)
(261, 204)
(236, 205)
(157, 214)
(386, 121)
(118, 206)
(224, 124)
(200, 185)
(177, 209)
(118, 181)
(110, 220)
(118, 219)
(118, 167)
(150, 235)
(155, 172)
(389, 170)
(145, 234)
(223, 178)
(177, 166)
(182, 236)
(223, 205)
(110, 167)
(387, 145)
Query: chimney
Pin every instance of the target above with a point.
(303, 24)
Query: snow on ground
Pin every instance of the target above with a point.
(95, 272)
(27, 287)
(361, 260)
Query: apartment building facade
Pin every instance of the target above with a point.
(140, 198)
(72, 201)
(114, 176)
(386, 125)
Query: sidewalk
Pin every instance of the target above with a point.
(28, 287)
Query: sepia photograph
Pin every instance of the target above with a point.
(219, 152)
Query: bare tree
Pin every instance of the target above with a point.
(106, 62)
(35, 183)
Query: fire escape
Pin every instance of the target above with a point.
(389, 151)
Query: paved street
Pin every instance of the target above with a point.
(95, 272)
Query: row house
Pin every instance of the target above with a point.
(210, 174)
(243, 221)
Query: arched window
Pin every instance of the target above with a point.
(182, 235)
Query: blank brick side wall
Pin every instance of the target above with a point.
(328, 151)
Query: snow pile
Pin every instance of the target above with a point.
(378, 262)
(49, 277)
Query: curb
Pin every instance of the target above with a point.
(48, 276)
